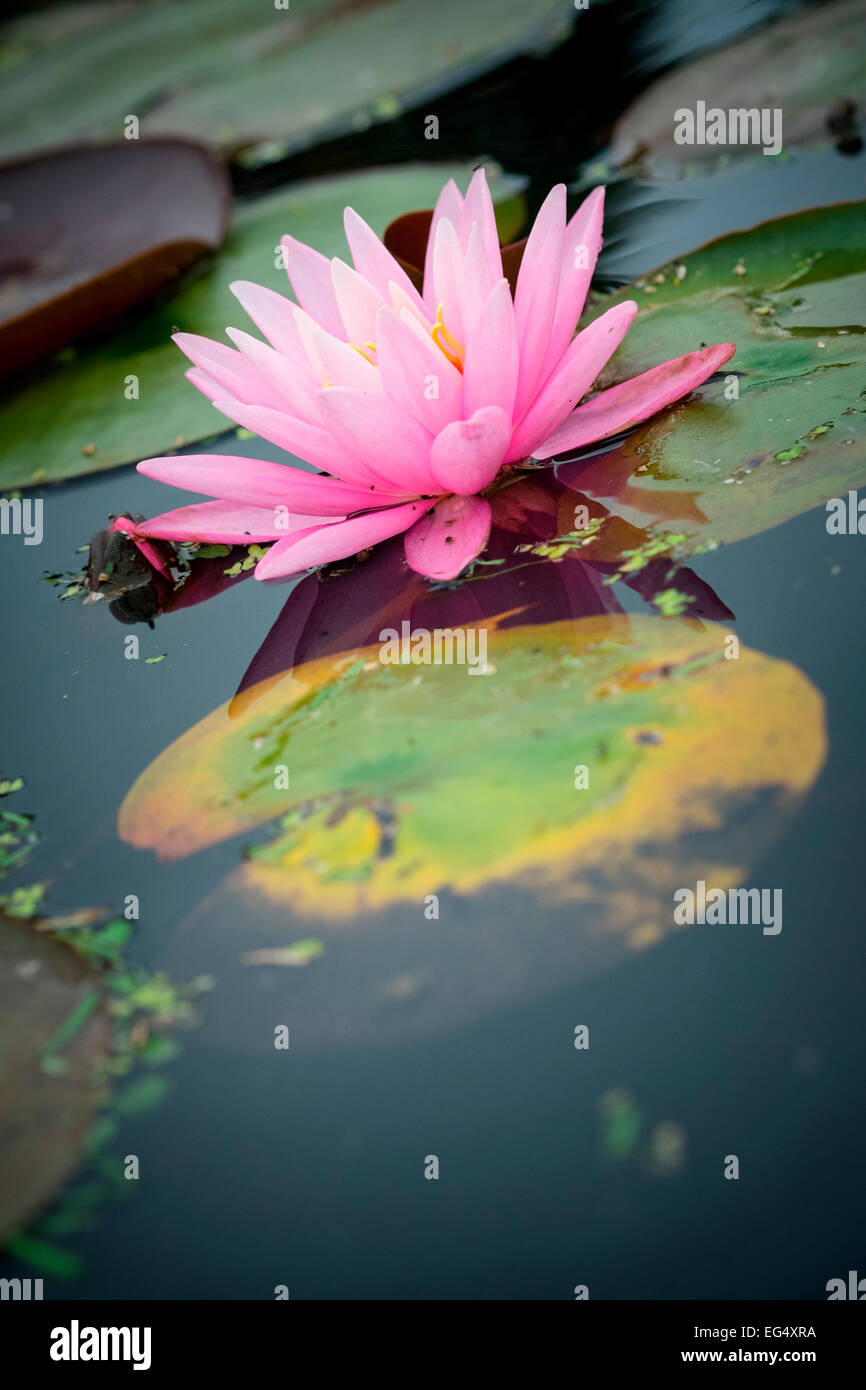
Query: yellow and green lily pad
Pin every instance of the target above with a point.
(385, 786)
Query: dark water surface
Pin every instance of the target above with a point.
(264, 1168)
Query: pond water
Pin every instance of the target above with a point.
(454, 1037)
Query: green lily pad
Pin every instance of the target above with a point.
(388, 802)
(810, 65)
(783, 428)
(54, 1028)
(267, 78)
(77, 417)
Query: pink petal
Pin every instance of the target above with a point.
(444, 542)
(449, 204)
(229, 523)
(491, 364)
(413, 369)
(384, 436)
(274, 315)
(236, 374)
(468, 454)
(374, 261)
(322, 544)
(536, 293)
(478, 207)
(260, 483)
(204, 383)
(294, 395)
(404, 307)
(310, 274)
(358, 302)
(582, 242)
(137, 531)
(475, 281)
(571, 380)
(448, 277)
(634, 400)
(333, 360)
(312, 443)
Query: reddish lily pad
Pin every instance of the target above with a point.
(94, 231)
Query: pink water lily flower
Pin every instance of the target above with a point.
(410, 404)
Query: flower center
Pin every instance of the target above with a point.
(442, 336)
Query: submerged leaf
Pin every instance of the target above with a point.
(51, 1012)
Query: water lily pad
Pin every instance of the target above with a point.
(783, 428)
(79, 416)
(389, 801)
(811, 65)
(269, 78)
(53, 1029)
(70, 264)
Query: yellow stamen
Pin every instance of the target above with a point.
(365, 356)
(446, 342)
